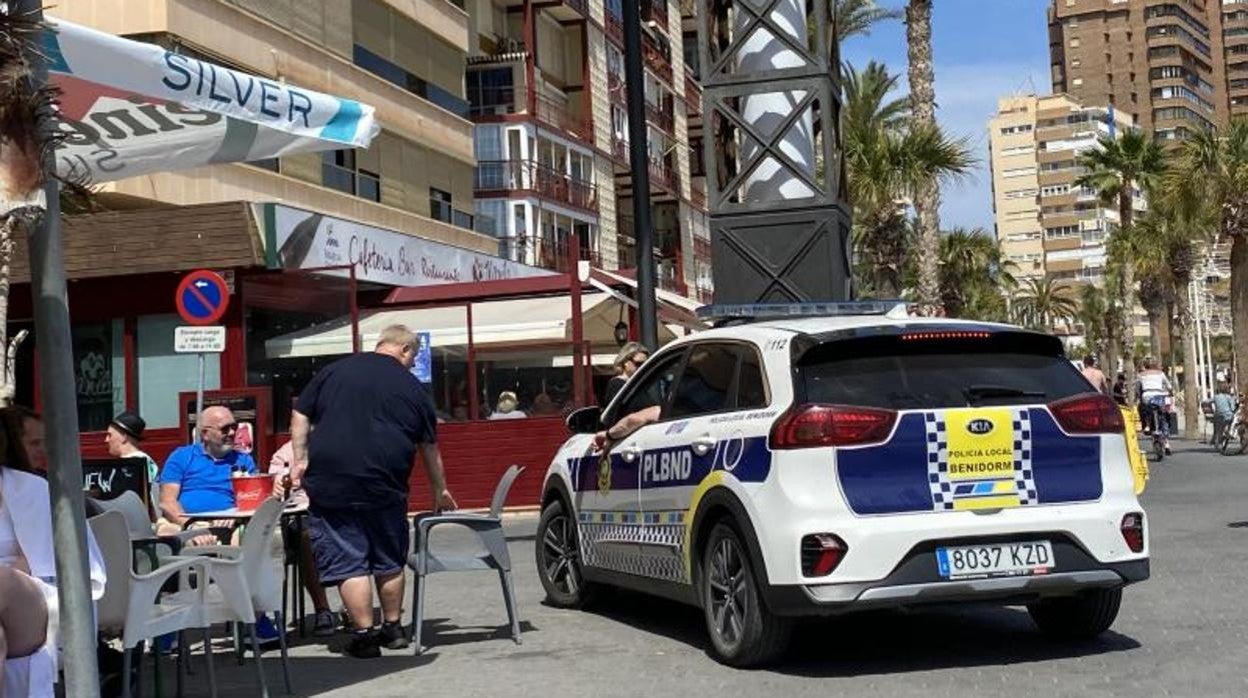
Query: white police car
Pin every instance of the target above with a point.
(860, 459)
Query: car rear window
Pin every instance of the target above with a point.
(903, 374)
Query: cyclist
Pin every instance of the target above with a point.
(1223, 411)
(1154, 388)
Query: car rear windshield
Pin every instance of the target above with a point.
(899, 373)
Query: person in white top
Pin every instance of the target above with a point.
(1155, 387)
(28, 595)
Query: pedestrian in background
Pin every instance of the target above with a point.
(355, 431)
(1094, 375)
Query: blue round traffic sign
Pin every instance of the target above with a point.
(202, 297)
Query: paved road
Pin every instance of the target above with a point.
(1180, 634)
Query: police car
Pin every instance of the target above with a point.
(857, 459)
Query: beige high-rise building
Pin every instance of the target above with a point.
(1047, 225)
(547, 97)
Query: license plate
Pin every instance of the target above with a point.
(995, 560)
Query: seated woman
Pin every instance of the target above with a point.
(28, 596)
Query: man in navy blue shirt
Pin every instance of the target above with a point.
(355, 432)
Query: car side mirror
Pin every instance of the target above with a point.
(586, 420)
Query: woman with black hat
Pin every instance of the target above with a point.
(123, 433)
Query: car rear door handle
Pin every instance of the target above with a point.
(630, 453)
(703, 444)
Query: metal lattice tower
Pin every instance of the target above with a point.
(780, 228)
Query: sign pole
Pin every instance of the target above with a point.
(199, 398)
(54, 352)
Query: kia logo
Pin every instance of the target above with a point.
(979, 426)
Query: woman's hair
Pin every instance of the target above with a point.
(12, 428)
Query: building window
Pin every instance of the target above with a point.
(339, 171)
(491, 91)
(440, 205)
(99, 372)
(163, 373)
(411, 82)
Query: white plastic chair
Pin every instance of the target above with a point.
(133, 608)
(247, 579)
(489, 528)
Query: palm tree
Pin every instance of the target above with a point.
(1117, 169)
(973, 274)
(1166, 252)
(923, 108)
(1042, 303)
(855, 17)
(886, 160)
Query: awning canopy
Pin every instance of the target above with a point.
(498, 326)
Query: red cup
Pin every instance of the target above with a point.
(250, 491)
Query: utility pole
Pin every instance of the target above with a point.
(54, 351)
(639, 162)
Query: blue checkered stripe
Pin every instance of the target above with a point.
(938, 462)
(1024, 478)
(659, 539)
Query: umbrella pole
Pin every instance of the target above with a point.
(54, 350)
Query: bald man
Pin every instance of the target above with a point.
(196, 478)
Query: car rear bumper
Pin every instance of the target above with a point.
(914, 583)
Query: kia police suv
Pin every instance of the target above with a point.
(863, 458)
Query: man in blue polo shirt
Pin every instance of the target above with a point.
(196, 478)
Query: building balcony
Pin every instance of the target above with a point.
(497, 176)
(614, 25)
(661, 116)
(693, 94)
(548, 253)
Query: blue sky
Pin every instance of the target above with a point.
(984, 49)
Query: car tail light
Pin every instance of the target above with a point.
(821, 553)
(1133, 531)
(813, 426)
(1088, 414)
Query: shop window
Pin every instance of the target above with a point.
(164, 373)
(99, 373)
(440, 205)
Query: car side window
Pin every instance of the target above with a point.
(751, 389)
(655, 386)
(706, 383)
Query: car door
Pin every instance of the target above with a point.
(679, 452)
(607, 483)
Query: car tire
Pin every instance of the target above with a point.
(743, 632)
(1080, 617)
(559, 559)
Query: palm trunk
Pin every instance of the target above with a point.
(1239, 309)
(923, 105)
(1127, 310)
(8, 381)
(1191, 393)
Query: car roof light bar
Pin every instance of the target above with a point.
(774, 311)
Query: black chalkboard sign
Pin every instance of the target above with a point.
(108, 479)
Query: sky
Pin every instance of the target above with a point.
(983, 50)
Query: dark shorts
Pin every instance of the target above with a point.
(349, 543)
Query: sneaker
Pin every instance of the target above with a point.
(364, 644)
(393, 637)
(325, 625)
(266, 632)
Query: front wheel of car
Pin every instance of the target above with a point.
(1080, 617)
(559, 559)
(744, 633)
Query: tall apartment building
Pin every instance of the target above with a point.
(546, 93)
(1164, 62)
(1046, 224)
